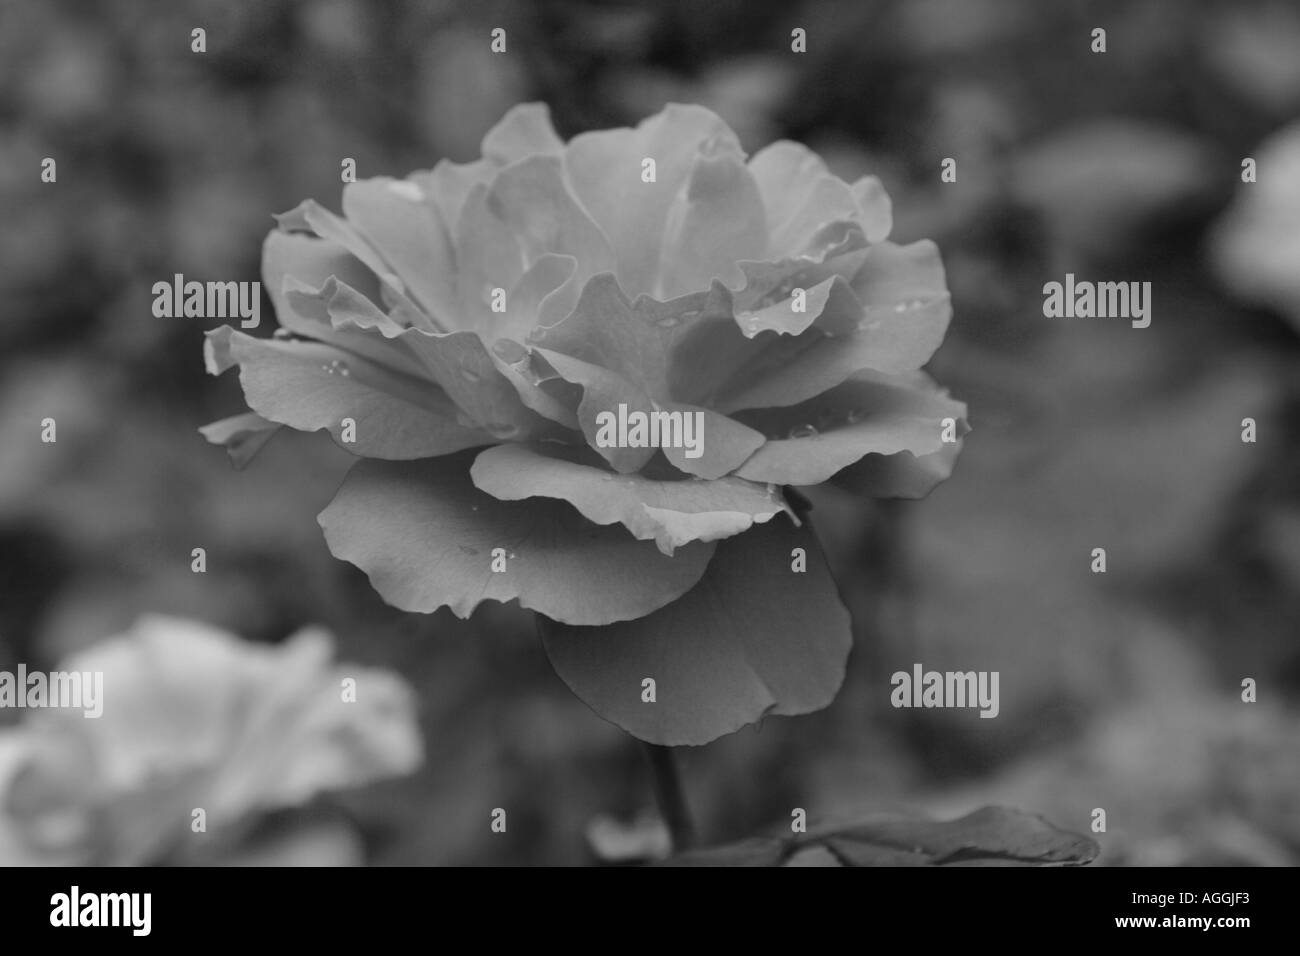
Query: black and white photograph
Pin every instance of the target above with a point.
(643, 435)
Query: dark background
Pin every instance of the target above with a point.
(1118, 691)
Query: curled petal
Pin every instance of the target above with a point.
(311, 386)
(242, 435)
(869, 414)
(669, 512)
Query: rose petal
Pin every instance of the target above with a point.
(425, 536)
(869, 414)
(524, 302)
(604, 170)
(242, 435)
(538, 384)
(875, 210)
(603, 391)
(531, 198)
(524, 131)
(790, 371)
(799, 195)
(724, 443)
(753, 638)
(460, 363)
(404, 226)
(717, 221)
(903, 475)
(628, 339)
(487, 256)
(302, 385)
(448, 184)
(671, 513)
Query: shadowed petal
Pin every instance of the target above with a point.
(753, 638)
(426, 537)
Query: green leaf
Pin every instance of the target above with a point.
(671, 513)
(990, 836)
(425, 536)
(753, 638)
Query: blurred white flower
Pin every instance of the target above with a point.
(1256, 245)
(194, 717)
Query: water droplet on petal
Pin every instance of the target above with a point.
(281, 334)
(328, 369)
(909, 306)
(803, 431)
(855, 415)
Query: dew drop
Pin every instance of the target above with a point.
(328, 369)
(339, 366)
(803, 431)
(855, 415)
(281, 334)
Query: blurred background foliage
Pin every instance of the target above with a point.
(1119, 691)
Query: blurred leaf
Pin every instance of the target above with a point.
(990, 836)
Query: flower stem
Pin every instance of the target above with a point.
(670, 796)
